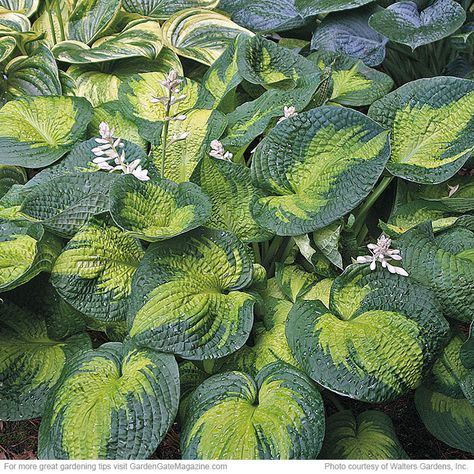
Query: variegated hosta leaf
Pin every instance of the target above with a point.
(231, 191)
(200, 34)
(402, 22)
(443, 264)
(157, 210)
(277, 415)
(316, 167)
(187, 296)
(444, 403)
(94, 272)
(37, 131)
(7, 45)
(432, 126)
(90, 18)
(182, 156)
(25, 251)
(190, 377)
(293, 281)
(269, 341)
(250, 120)
(163, 9)
(10, 175)
(376, 341)
(350, 34)
(327, 241)
(116, 402)
(16, 25)
(31, 361)
(65, 203)
(263, 62)
(25, 7)
(36, 74)
(137, 94)
(140, 38)
(370, 435)
(354, 83)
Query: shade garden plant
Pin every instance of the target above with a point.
(241, 218)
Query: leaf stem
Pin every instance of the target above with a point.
(256, 252)
(272, 249)
(333, 399)
(60, 20)
(51, 21)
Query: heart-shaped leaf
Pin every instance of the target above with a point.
(370, 435)
(316, 167)
(401, 22)
(31, 361)
(232, 193)
(157, 210)
(432, 124)
(37, 131)
(376, 341)
(163, 9)
(129, 399)
(277, 415)
(187, 296)
(94, 272)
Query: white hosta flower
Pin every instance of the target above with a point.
(288, 112)
(179, 138)
(381, 252)
(171, 81)
(452, 190)
(218, 151)
(105, 132)
(171, 84)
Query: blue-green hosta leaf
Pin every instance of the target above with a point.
(10, 175)
(231, 191)
(438, 263)
(402, 22)
(377, 340)
(316, 167)
(350, 34)
(25, 251)
(263, 62)
(141, 38)
(157, 210)
(370, 435)
(354, 83)
(7, 45)
(65, 203)
(163, 9)
(466, 353)
(31, 361)
(250, 120)
(24, 7)
(90, 18)
(277, 415)
(37, 131)
(181, 157)
(200, 34)
(115, 402)
(442, 402)
(432, 126)
(94, 272)
(187, 296)
(190, 377)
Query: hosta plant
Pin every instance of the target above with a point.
(245, 222)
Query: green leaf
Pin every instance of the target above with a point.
(37, 131)
(182, 156)
(432, 122)
(293, 281)
(25, 7)
(376, 341)
(25, 251)
(350, 34)
(187, 298)
(327, 241)
(442, 404)
(231, 191)
(354, 83)
(128, 401)
(10, 175)
(200, 34)
(277, 415)
(402, 22)
(370, 435)
(157, 210)
(437, 263)
(94, 272)
(163, 9)
(7, 45)
(65, 203)
(317, 167)
(31, 361)
(140, 38)
(90, 18)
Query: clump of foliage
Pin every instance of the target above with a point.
(201, 184)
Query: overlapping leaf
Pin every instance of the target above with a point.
(10, 175)
(163, 9)
(25, 7)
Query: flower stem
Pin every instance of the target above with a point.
(51, 21)
(256, 252)
(164, 134)
(60, 20)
